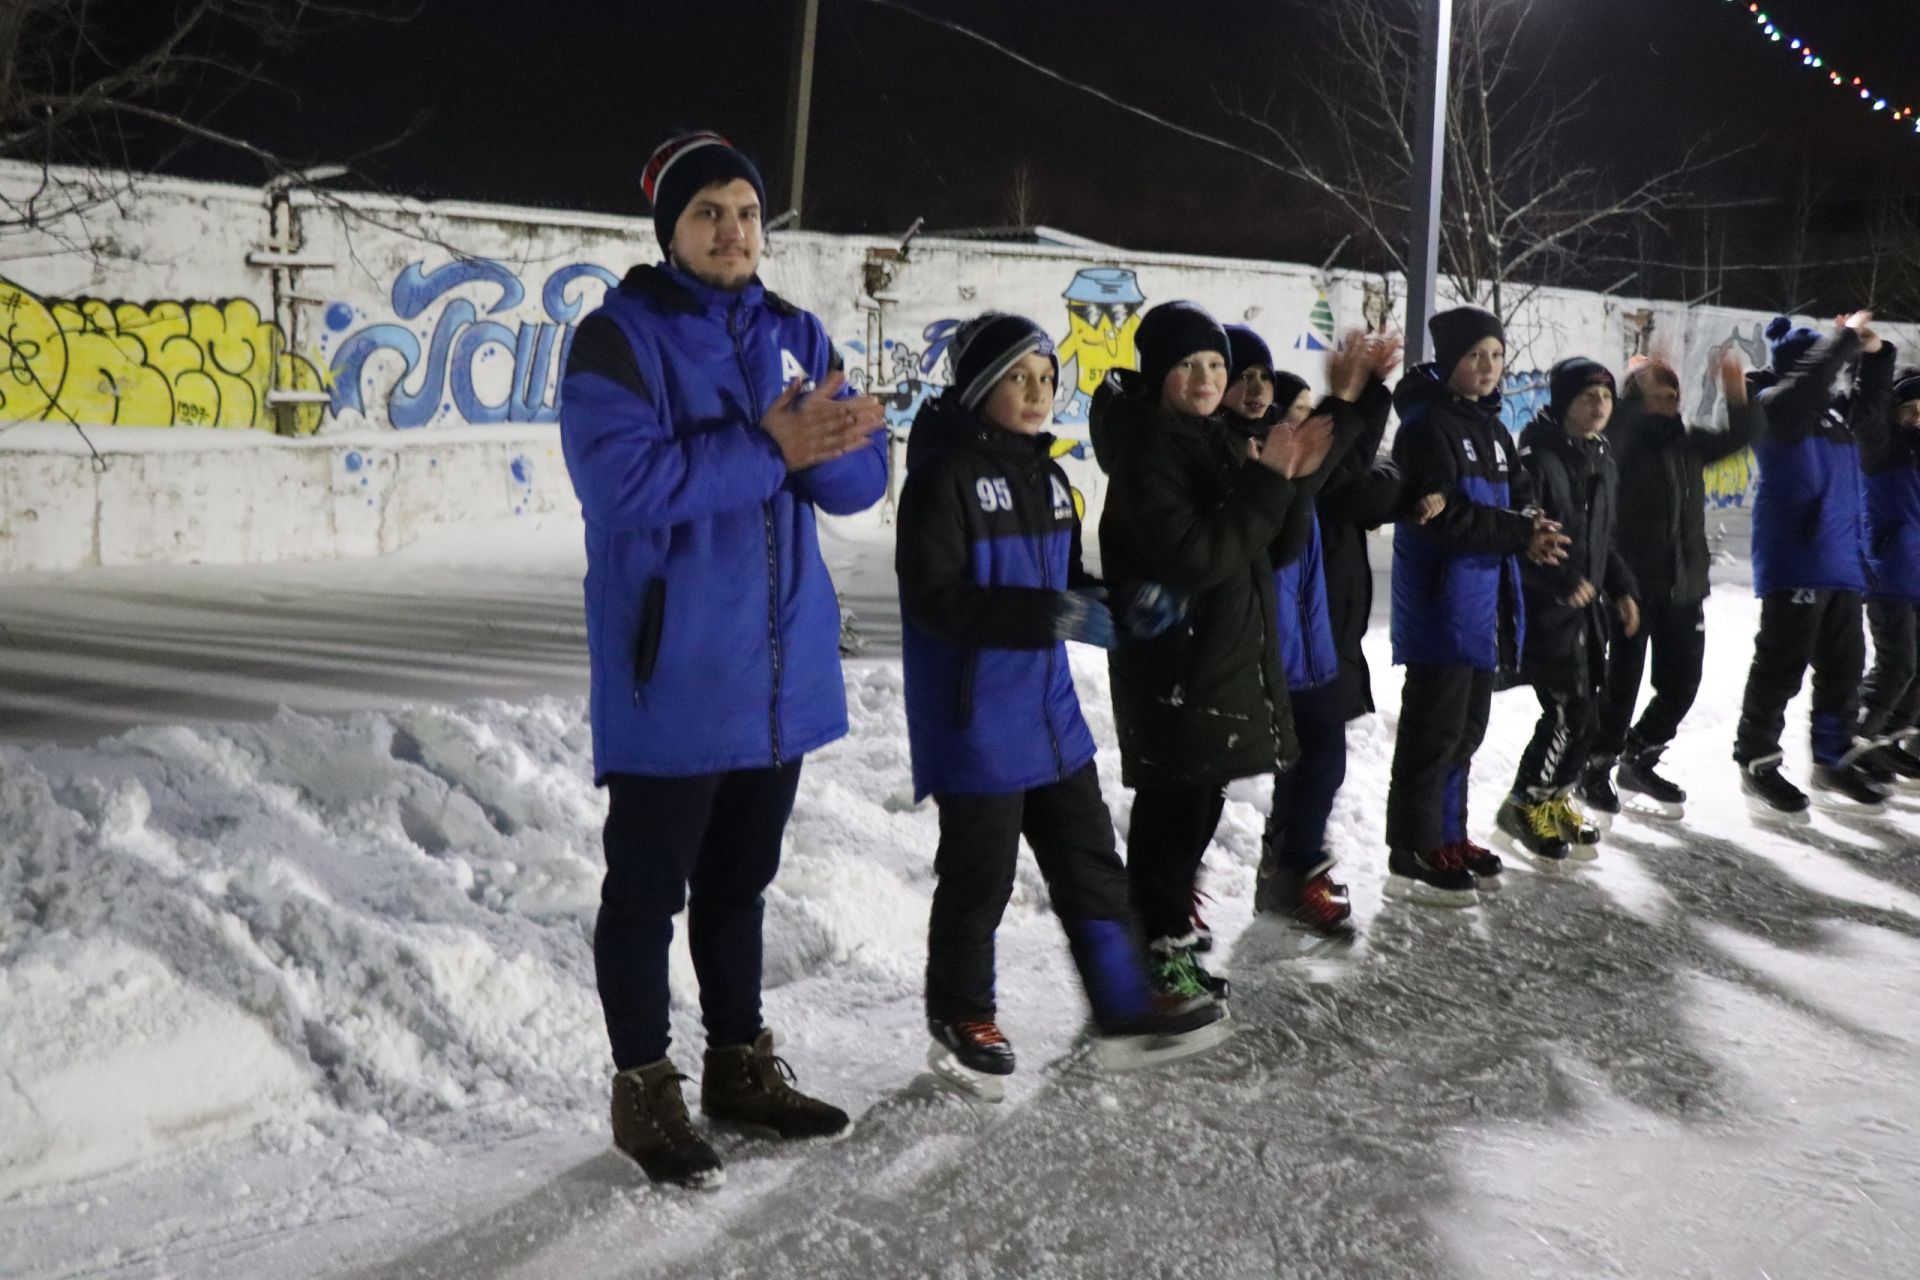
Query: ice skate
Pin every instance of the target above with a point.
(1770, 797)
(1580, 833)
(1483, 862)
(1175, 972)
(1846, 789)
(1174, 1029)
(1645, 792)
(971, 1058)
(1437, 878)
(1531, 830)
(1597, 792)
(1312, 902)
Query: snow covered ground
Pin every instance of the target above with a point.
(309, 993)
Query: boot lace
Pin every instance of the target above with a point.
(1564, 812)
(1543, 820)
(984, 1034)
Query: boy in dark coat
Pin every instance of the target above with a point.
(1188, 508)
(991, 585)
(1296, 868)
(1890, 700)
(1457, 616)
(1571, 468)
(1662, 535)
(1808, 563)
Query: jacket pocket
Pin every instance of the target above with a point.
(963, 709)
(646, 645)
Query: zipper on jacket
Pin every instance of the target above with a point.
(773, 546)
(1053, 650)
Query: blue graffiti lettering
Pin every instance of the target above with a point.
(446, 383)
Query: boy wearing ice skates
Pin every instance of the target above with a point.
(991, 586)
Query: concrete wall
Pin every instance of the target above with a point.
(341, 375)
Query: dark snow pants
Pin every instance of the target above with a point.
(1677, 635)
(710, 844)
(1797, 628)
(1303, 795)
(1167, 837)
(1071, 833)
(1890, 699)
(1443, 718)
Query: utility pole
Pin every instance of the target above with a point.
(1429, 174)
(806, 23)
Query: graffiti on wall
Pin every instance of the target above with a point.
(458, 363)
(1730, 480)
(165, 363)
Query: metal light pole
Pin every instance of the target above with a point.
(806, 22)
(1429, 174)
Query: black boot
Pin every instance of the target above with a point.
(747, 1086)
(651, 1126)
(1596, 790)
(1639, 784)
(1531, 828)
(1770, 797)
(1847, 789)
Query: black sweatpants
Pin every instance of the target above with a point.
(710, 844)
(1890, 699)
(1071, 833)
(1562, 738)
(1797, 628)
(1443, 718)
(1676, 632)
(1303, 795)
(1166, 839)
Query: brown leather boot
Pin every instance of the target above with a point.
(651, 1125)
(747, 1086)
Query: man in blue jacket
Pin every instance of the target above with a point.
(703, 423)
(1890, 699)
(1809, 563)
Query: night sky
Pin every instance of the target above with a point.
(558, 103)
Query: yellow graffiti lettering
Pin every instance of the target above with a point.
(1730, 480)
(157, 364)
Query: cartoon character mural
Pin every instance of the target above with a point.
(154, 364)
(1730, 480)
(1103, 316)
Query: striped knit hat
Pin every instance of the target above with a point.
(986, 347)
(683, 167)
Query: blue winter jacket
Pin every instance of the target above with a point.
(1456, 579)
(711, 622)
(1809, 531)
(1307, 650)
(988, 538)
(1890, 456)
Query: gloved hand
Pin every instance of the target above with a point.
(1083, 616)
(1151, 610)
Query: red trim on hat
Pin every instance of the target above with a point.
(670, 151)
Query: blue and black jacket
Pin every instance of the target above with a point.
(1456, 579)
(712, 625)
(988, 539)
(1809, 517)
(1890, 457)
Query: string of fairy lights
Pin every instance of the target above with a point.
(1813, 61)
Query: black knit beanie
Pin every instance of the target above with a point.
(986, 347)
(1458, 331)
(1906, 386)
(681, 168)
(1570, 377)
(1171, 332)
(1249, 350)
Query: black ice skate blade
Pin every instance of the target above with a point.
(1420, 893)
(1539, 862)
(950, 1075)
(1120, 1054)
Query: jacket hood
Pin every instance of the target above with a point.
(941, 424)
(1426, 386)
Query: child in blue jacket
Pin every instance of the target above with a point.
(991, 585)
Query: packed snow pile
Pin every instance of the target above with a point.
(314, 996)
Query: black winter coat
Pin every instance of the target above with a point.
(1574, 482)
(1363, 492)
(1662, 531)
(1206, 702)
